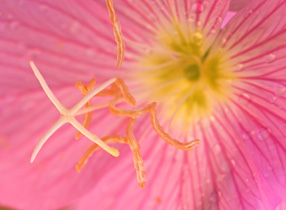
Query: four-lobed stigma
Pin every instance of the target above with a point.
(117, 91)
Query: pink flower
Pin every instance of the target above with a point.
(224, 87)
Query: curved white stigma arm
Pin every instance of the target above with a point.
(68, 116)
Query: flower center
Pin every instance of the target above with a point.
(185, 75)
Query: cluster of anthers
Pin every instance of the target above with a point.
(116, 89)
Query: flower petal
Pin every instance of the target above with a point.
(255, 43)
(282, 206)
(65, 36)
(236, 5)
(218, 174)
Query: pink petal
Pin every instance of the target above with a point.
(218, 174)
(236, 5)
(282, 206)
(60, 36)
(254, 40)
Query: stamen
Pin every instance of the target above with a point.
(137, 158)
(87, 116)
(119, 90)
(130, 113)
(117, 32)
(93, 148)
(85, 88)
(155, 123)
(125, 92)
(134, 146)
(165, 136)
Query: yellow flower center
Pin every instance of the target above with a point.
(185, 76)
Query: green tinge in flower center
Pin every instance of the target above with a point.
(185, 78)
(192, 72)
